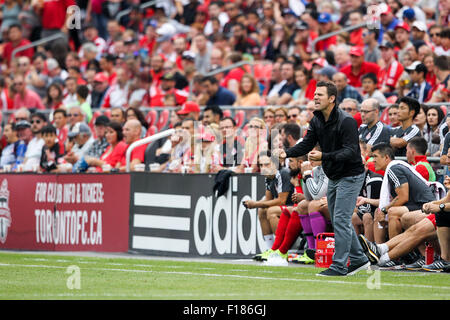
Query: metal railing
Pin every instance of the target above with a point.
(335, 33)
(37, 43)
(146, 140)
(144, 5)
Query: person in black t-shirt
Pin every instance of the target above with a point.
(50, 151)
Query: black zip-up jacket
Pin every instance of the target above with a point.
(339, 140)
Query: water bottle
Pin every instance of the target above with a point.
(429, 254)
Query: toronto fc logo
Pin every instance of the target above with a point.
(5, 214)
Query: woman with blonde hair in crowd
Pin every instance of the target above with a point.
(254, 144)
(207, 155)
(281, 115)
(248, 92)
(269, 117)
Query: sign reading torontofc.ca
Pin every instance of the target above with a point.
(5, 213)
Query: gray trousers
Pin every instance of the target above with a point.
(341, 195)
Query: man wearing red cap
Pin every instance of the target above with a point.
(189, 110)
(358, 67)
(100, 87)
(402, 31)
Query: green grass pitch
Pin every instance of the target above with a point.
(40, 276)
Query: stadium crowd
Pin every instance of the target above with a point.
(108, 79)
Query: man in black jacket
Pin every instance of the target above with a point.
(337, 134)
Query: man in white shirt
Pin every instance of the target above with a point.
(34, 147)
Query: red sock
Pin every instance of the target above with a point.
(281, 229)
(292, 231)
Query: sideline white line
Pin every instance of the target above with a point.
(236, 276)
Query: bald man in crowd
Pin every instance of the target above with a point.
(132, 133)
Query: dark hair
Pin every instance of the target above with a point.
(74, 68)
(83, 91)
(329, 56)
(62, 111)
(139, 115)
(370, 76)
(39, 55)
(419, 144)
(49, 129)
(442, 63)
(421, 68)
(395, 106)
(40, 115)
(293, 130)
(412, 104)
(440, 113)
(145, 77)
(384, 149)
(231, 119)
(215, 110)
(15, 25)
(117, 128)
(331, 89)
(445, 33)
(211, 79)
(71, 78)
(93, 64)
(12, 124)
(60, 93)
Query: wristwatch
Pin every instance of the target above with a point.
(442, 207)
(384, 210)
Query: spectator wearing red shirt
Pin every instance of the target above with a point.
(62, 129)
(148, 41)
(304, 38)
(356, 36)
(25, 97)
(132, 133)
(234, 76)
(168, 87)
(358, 67)
(16, 40)
(326, 26)
(6, 99)
(107, 63)
(156, 71)
(116, 150)
(390, 74)
(54, 16)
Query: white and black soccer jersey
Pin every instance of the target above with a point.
(281, 183)
(316, 185)
(371, 190)
(379, 133)
(407, 134)
(419, 192)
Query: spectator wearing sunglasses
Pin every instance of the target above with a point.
(34, 146)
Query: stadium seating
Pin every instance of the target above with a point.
(239, 118)
(151, 117)
(163, 120)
